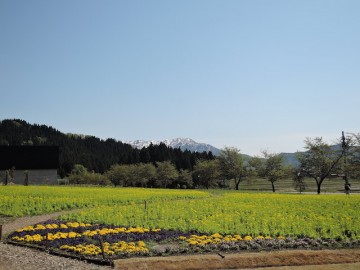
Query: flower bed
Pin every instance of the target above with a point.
(107, 242)
(86, 239)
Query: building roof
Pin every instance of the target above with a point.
(29, 157)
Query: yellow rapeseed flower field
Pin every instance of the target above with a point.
(226, 213)
(291, 215)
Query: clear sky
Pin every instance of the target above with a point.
(251, 74)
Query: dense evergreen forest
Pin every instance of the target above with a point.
(95, 154)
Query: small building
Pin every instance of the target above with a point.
(34, 164)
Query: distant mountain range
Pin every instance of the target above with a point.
(182, 143)
(95, 154)
(193, 146)
(19, 132)
(290, 159)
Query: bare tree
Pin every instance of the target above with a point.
(319, 161)
(352, 157)
(299, 182)
(232, 165)
(26, 180)
(273, 168)
(7, 177)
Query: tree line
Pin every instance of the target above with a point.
(94, 154)
(320, 161)
(89, 160)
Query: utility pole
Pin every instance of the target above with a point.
(344, 149)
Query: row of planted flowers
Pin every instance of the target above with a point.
(87, 239)
(42, 232)
(92, 239)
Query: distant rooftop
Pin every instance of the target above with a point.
(29, 157)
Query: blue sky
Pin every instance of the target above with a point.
(251, 74)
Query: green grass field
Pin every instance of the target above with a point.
(332, 185)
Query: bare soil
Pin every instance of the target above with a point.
(300, 259)
(11, 224)
(348, 266)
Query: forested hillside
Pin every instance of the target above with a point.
(95, 154)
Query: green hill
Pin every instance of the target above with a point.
(95, 154)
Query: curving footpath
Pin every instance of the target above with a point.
(20, 258)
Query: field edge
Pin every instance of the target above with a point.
(243, 260)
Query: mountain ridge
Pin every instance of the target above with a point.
(95, 154)
(193, 146)
(182, 143)
(177, 143)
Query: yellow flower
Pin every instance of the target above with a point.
(216, 235)
(40, 227)
(72, 235)
(248, 238)
(237, 237)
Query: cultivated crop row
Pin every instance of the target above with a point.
(329, 216)
(34, 200)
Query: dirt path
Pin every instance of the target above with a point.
(348, 266)
(22, 222)
(20, 258)
(284, 259)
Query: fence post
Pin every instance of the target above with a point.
(47, 241)
(102, 247)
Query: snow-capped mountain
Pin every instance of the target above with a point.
(182, 143)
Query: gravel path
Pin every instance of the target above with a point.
(22, 222)
(20, 258)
